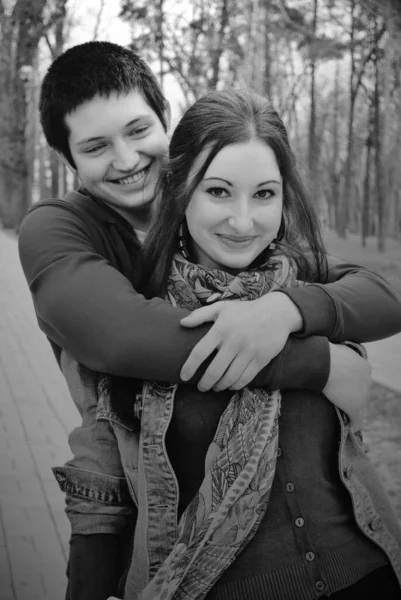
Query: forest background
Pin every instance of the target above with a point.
(332, 69)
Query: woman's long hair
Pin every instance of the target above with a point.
(216, 120)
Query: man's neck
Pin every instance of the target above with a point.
(138, 218)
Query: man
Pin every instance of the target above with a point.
(102, 110)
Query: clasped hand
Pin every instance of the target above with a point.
(246, 336)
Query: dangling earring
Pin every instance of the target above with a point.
(281, 229)
(182, 242)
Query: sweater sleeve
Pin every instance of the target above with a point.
(354, 304)
(86, 306)
(304, 363)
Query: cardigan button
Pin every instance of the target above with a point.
(348, 471)
(299, 522)
(290, 487)
(310, 556)
(279, 452)
(320, 585)
(374, 525)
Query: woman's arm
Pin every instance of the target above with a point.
(349, 381)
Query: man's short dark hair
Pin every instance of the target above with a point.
(89, 70)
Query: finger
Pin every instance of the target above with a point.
(199, 354)
(216, 369)
(201, 315)
(247, 376)
(233, 373)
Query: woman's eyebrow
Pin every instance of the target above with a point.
(268, 182)
(231, 185)
(220, 179)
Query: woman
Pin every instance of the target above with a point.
(313, 520)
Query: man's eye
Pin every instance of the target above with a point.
(217, 192)
(264, 194)
(139, 130)
(94, 149)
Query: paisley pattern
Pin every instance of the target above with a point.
(240, 462)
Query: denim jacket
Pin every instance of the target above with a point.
(105, 499)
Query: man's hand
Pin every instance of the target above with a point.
(246, 336)
(349, 383)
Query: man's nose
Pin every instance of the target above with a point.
(126, 157)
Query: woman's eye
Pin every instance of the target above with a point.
(264, 194)
(217, 192)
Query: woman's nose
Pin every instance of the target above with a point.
(242, 222)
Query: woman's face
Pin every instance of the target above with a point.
(235, 211)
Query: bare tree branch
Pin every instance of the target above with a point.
(98, 20)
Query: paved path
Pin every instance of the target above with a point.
(36, 415)
(385, 358)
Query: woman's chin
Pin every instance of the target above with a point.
(236, 267)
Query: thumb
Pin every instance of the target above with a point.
(201, 315)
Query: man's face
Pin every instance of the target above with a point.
(118, 145)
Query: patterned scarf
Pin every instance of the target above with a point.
(240, 463)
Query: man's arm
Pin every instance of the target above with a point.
(355, 304)
(89, 308)
(86, 306)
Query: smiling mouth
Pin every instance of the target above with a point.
(237, 239)
(134, 178)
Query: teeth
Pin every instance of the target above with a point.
(133, 178)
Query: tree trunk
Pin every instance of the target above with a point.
(160, 40)
(312, 154)
(267, 51)
(21, 32)
(380, 183)
(334, 175)
(219, 46)
(365, 222)
(346, 193)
